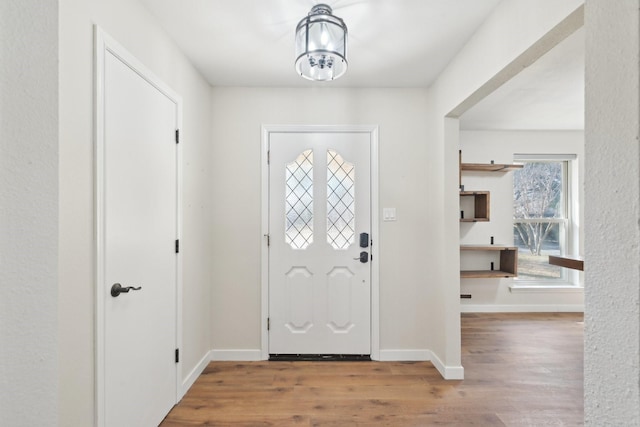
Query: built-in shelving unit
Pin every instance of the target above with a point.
(508, 261)
(508, 265)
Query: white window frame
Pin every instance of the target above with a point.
(569, 242)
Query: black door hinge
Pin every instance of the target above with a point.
(177, 355)
(177, 136)
(268, 323)
(177, 246)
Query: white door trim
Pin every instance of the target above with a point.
(372, 130)
(103, 43)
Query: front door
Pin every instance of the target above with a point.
(319, 243)
(136, 236)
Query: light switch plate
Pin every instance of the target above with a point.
(389, 214)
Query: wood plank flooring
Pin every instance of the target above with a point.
(520, 370)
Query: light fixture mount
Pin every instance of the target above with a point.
(321, 45)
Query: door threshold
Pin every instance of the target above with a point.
(320, 357)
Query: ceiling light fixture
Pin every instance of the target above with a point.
(321, 45)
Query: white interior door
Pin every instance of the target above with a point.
(319, 204)
(139, 230)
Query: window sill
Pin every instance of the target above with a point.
(544, 287)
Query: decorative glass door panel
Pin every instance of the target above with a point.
(299, 201)
(319, 201)
(340, 201)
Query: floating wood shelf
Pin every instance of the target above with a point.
(483, 167)
(575, 263)
(508, 262)
(481, 206)
(489, 167)
(485, 274)
(487, 248)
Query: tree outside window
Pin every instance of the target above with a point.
(540, 218)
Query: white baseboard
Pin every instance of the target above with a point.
(521, 308)
(447, 372)
(194, 374)
(218, 355)
(236, 355)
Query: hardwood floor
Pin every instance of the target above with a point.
(520, 370)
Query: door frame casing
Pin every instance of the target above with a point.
(103, 43)
(372, 131)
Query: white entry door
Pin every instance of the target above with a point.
(138, 195)
(319, 249)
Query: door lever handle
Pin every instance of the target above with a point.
(117, 289)
(363, 258)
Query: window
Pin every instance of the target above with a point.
(542, 221)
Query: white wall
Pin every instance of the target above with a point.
(500, 146)
(406, 253)
(28, 212)
(419, 260)
(419, 271)
(133, 27)
(612, 288)
(517, 31)
(612, 318)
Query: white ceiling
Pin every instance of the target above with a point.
(549, 94)
(392, 43)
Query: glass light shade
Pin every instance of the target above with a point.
(321, 45)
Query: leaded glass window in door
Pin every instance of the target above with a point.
(340, 201)
(298, 210)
